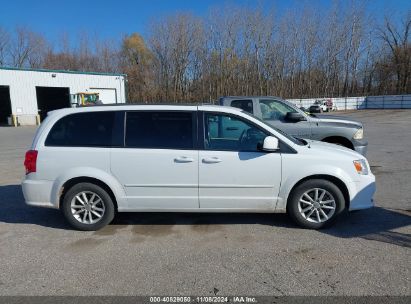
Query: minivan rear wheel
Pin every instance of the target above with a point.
(315, 203)
(88, 207)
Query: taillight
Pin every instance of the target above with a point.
(30, 161)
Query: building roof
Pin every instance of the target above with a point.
(62, 71)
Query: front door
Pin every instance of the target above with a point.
(274, 111)
(233, 173)
(158, 167)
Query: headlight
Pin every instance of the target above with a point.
(361, 166)
(359, 134)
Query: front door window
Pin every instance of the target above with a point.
(228, 133)
(274, 110)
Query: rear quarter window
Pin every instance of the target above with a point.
(91, 129)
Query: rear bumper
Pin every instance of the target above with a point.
(362, 198)
(37, 192)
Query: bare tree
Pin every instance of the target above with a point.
(27, 48)
(397, 38)
(173, 42)
(4, 44)
(239, 50)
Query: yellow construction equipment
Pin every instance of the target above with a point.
(85, 99)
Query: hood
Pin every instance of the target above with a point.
(333, 148)
(336, 119)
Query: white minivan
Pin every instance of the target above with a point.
(95, 161)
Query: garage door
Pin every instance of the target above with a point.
(51, 98)
(5, 104)
(106, 95)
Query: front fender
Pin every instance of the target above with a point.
(291, 178)
(90, 172)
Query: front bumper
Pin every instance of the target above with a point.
(363, 192)
(37, 192)
(360, 146)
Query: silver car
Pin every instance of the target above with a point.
(290, 119)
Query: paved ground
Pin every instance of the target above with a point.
(367, 253)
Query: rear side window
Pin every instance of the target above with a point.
(91, 129)
(244, 104)
(160, 130)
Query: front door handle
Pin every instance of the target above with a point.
(183, 159)
(212, 160)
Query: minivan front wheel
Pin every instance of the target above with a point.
(315, 203)
(87, 206)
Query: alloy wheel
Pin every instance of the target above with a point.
(87, 207)
(317, 205)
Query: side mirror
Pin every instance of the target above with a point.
(270, 144)
(294, 117)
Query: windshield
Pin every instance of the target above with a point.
(293, 139)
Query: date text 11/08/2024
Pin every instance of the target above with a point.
(205, 299)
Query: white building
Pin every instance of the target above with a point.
(28, 94)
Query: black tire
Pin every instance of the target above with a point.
(106, 203)
(297, 193)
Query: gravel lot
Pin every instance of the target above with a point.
(366, 253)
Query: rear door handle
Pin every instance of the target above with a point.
(211, 160)
(183, 159)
